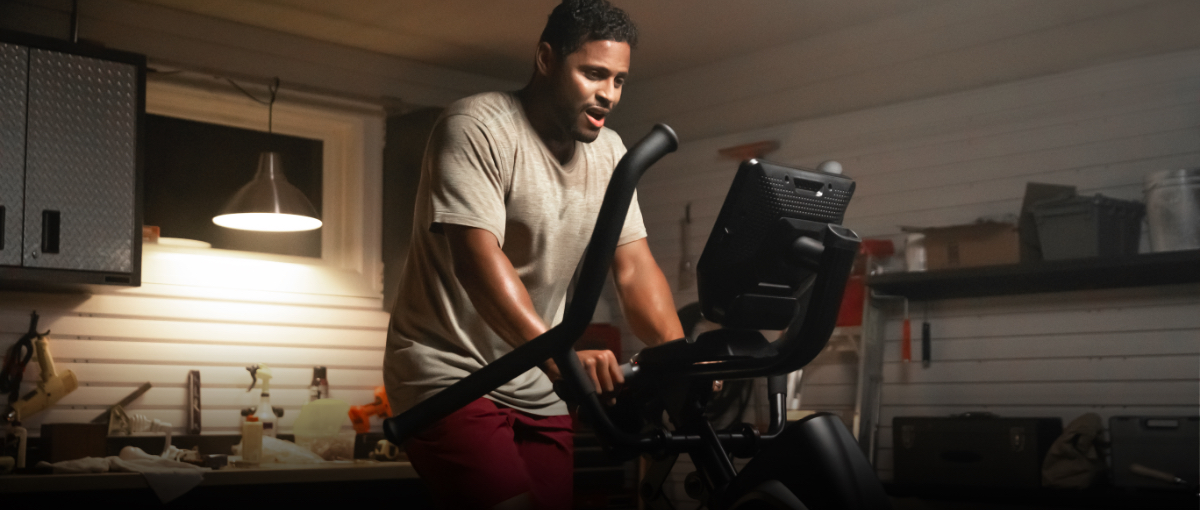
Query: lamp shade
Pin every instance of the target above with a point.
(269, 202)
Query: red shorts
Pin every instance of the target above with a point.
(487, 453)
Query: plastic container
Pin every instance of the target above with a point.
(252, 440)
(321, 428)
(1082, 227)
(1173, 209)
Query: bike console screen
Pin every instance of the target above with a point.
(761, 252)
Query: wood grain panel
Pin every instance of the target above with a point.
(73, 327)
(1104, 392)
(160, 308)
(118, 351)
(1167, 317)
(1141, 368)
(220, 421)
(1065, 346)
(236, 376)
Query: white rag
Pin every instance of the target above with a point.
(168, 478)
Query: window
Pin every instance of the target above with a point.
(193, 168)
(351, 136)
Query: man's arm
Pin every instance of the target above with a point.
(645, 295)
(502, 301)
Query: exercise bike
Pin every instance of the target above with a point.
(776, 260)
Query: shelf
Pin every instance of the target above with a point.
(1144, 270)
(950, 496)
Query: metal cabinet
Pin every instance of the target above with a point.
(70, 172)
(14, 72)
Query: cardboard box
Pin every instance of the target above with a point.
(979, 244)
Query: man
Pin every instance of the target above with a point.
(511, 185)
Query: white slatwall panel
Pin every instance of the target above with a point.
(951, 159)
(214, 311)
(1110, 352)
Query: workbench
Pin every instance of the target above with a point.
(337, 482)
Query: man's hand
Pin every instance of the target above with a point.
(599, 365)
(603, 368)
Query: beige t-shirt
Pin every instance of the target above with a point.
(485, 167)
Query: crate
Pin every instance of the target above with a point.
(1083, 227)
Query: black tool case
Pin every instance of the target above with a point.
(985, 451)
(1170, 444)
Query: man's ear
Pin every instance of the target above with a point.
(545, 61)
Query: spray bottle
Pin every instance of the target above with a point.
(265, 413)
(319, 388)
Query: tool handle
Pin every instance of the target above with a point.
(1154, 473)
(926, 345)
(906, 341)
(45, 360)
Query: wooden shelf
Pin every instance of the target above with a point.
(1145, 270)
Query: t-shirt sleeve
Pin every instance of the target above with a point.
(634, 228)
(467, 181)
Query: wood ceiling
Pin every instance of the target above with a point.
(496, 38)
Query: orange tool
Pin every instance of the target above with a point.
(360, 416)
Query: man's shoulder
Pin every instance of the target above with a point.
(486, 108)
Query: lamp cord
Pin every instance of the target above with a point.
(273, 89)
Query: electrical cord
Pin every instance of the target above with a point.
(273, 89)
(18, 356)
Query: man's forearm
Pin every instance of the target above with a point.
(645, 295)
(500, 298)
(492, 284)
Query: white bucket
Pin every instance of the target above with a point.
(1173, 209)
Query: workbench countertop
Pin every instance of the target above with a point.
(333, 471)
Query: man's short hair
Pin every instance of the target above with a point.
(575, 22)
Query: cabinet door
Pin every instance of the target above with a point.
(80, 174)
(14, 67)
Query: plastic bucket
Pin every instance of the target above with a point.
(1173, 209)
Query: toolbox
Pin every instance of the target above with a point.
(1081, 227)
(1168, 444)
(975, 450)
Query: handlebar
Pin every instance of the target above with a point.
(557, 342)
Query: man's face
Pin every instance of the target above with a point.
(587, 86)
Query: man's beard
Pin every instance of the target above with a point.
(569, 118)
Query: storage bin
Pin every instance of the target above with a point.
(1081, 227)
(1173, 209)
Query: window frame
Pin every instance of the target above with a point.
(352, 175)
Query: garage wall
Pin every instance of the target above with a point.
(215, 311)
(955, 158)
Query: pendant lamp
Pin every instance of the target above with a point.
(268, 203)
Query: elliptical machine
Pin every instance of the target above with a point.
(777, 259)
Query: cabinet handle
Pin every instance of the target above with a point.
(2, 227)
(50, 222)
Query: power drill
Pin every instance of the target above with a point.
(360, 416)
(50, 389)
